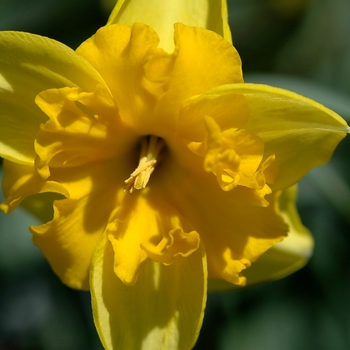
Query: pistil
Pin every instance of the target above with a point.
(151, 147)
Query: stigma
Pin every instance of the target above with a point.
(151, 147)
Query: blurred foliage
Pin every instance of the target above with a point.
(295, 44)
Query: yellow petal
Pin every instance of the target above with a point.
(148, 227)
(296, 249)
(162, 15)
(285, 257)
(134, 69)
(30, 64)
(163, 310)
(234, 230)
(21, 181)
(300, 132)
(69, 239)
(135, 222)
(191, 124)
(235, 157)
(204, 60)
(83, 127)
(149, 85)
(176, 242)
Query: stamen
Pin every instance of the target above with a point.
(149, 156)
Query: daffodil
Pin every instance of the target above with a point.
(169, 172)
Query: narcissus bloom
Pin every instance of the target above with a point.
(169, 171)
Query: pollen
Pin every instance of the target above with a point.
(151, 146)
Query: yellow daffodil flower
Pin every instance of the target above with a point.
(168, 170)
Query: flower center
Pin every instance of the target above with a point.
(151, 147)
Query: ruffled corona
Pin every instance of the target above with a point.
(235, 156)
(168, 168)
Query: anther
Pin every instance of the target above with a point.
(149, 156)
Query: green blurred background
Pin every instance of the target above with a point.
(300, 45)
